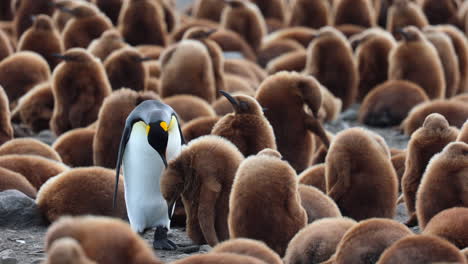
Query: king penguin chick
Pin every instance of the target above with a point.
(365, 241)
(359, 175)
(6, 128)
(143, 22)
(103, 239)
(422, 249)
(299, 16)
(448, 224)
(125, 68)
(274, 12)
(20, 72)
(36, 169)
(317, 204)
(186, 68)
(77, 99)
(29, 146)
(87, 24)
(440, 11)
(248, 247)
(66, 250)
(110, 7)
(318, 241)
(76, 147)
(247, 127)
(403, 13)
(245, 18)
(151, 138)
(43, 39)
(208, 9)
(113, 113)
(80, 191)
(448, 169)
(448, 58)
(110, 41)
(379, 107)
(61, 18)
(35, 107)
(285, 94)
(202, 175)
(428, 140)
(198, 127)
(314, 176)
(456, 113)
(254, 216)
(10, 180)
(330, 55)
(25, 9)
(354, 12)
(415, 59)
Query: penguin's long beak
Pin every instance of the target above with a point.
(231, 99)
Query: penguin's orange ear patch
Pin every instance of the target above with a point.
(147, 129)
(164, 125)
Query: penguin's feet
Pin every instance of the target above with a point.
(161, 241)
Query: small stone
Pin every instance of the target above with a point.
(205, 248)
(18, 210)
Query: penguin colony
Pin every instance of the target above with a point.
(239, 148)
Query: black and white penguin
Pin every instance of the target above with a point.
(151, 137)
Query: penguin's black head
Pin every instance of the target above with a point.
(158, 136)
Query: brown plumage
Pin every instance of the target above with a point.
(66, 250)
(246, 69)
(81, 191)
(448, 58)
(247, 127)
(103, 239)
(189, 107)
(208, 9)
(303, 35)
(331, 105)
(113, 113)
(145, 22)
(36, 106)
(318, 241)
(215, 258)
(43, 38)
(398, 162)
(22, 71)
(330, 60)
(448, 224)
(110, 41)
(13, 180)
(88, 23)
(364, 242)
(373, 47)
(273, 10)
(77, 100)
(275, 48)
(76, 147)
(6, 12)
(317, 204)
(25, 9)
(245, 18)
(237, 84)
(428, 140)
(443, 185)
(284, 95)
(350, 30)
(422, 249)
(229, 40)
(29, 146)
(455, 112)
(291, 61)
(359, 175)
(463, 135)
(460, 43)
(314, 176)
(355, 12)
(110, 7)
(6, 128)
(198, 127)
(389, 103)
(61, 18)
(125, 68)
(6, 47)
(151, 51)
(415, 59)
(186, 68)
(203, 174)
(36, 169)
(404, 13)
(279, 205)
(248, 247)
(222, 106)
(301, 10)
(440, 11)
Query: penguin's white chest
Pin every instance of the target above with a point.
(142, 167)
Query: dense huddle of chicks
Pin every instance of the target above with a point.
(260, 179)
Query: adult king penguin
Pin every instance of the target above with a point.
(151, 137)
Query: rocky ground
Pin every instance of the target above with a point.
(22, 230)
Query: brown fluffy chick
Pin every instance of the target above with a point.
(109, 41)
(29, 146)
(13, 180)
(248, 247)
(247, 127)
(404, 13)
(76, 147)
(25, 9)
(6, 129)
(66, 250)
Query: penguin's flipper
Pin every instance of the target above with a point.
(123, 143)
(161, 241)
